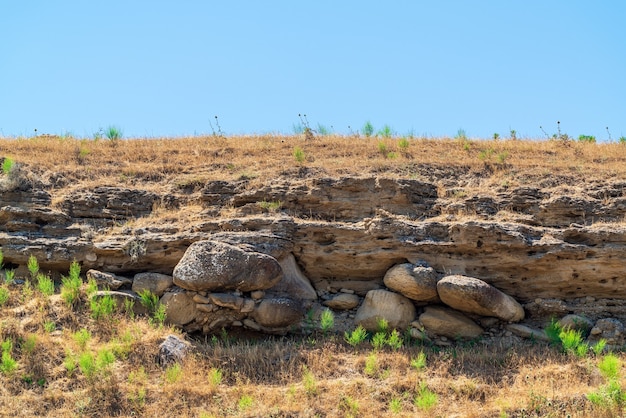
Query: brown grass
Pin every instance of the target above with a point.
(300, 376)
(297, 376)
(186, 162)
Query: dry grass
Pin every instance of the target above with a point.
(188, 162)
(285, 377)
(261, 376)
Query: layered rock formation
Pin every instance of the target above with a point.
(537, 250)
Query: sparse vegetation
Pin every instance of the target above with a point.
(110, 369)
(7, 165)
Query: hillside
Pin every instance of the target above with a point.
(314, 225)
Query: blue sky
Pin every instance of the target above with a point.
(165, 68)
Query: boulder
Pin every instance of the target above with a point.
(343, 302)
(213, 265)
(172, 350)
(415, 282)
(396, 309)
(156, 283)
(527, 332)
(107, 280)
(576, 322)
(446, 322)
(180, 308)
(277, 312)
(610, 329)
(472, 295)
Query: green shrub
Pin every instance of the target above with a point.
(299, 155)
(598, 348)
(113, 133)
(149, 300)
(419, 362)
(553, 332)
(82, 337)
(45, 285)
(7, 166)
(173, 373)
(70, 289)
(570, 339)
(610, 366)
(49, 326)
(371, 365)
(382, 148)
(309, 382)
(215, 377)
(368, 129)
(327, 320)
(9, 276)
(356, 337)
(587, 138)
(7, 364)
(4, 295)
(159, 316)
(622, 139)
(33, 266)
(245, 402)
(386, 131)
(395, 405)
(425, 399)
(102, 307)
(382, 325)
(403, 144)
(395, 340)
(379, 340)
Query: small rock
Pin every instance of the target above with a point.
(172, 350)
(349, 291)
(201, 299)
(527, 332)
(204, 307)
(154, 282)
(257, 294)
(610, 329)
(343, 301)
(226, 300)
(107, 280)
(251, 324)
(248, 306)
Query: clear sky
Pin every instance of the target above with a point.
(166, 68)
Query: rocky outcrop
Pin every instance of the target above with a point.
(341, 242)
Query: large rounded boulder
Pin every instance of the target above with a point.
(396, 309)
(475, 296)
(213, 265)
(415, 282)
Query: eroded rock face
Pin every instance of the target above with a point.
(415, 282)
(213, 265)
(396, 309)
(472, 295)
(438, 320)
